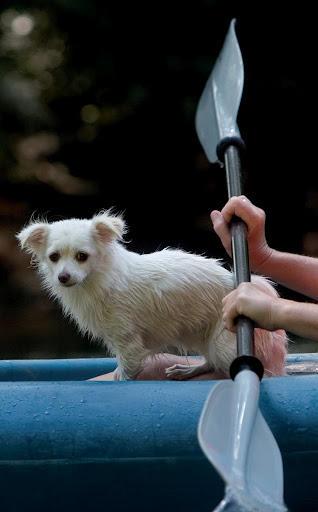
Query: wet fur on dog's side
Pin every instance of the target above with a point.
(141, 304)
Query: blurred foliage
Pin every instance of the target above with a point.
(37, 81)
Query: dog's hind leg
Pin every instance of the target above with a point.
(184, 372)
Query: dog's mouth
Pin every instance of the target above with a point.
(68, 284)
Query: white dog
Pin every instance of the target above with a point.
(141, 304)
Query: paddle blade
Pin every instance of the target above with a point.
(218, 106)
(238, 442)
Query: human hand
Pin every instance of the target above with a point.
(254, 218)
(252, 301)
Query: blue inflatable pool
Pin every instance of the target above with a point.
(68, 445)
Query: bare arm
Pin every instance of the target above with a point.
(299, 318)
(300, 273)
(154, 369)
(297, 272)
(270, 312)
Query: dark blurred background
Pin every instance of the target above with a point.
(96, 112)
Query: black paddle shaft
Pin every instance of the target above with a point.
(245, 327)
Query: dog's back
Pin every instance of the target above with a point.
(139, 304)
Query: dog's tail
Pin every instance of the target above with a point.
(271, 349)
(270, 346)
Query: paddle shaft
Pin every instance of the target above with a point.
(245, 329)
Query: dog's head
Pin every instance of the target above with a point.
(68, 251)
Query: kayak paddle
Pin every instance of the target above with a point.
(232, 431)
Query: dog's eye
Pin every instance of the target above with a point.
(81, 256)
(55, 256)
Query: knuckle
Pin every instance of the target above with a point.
(261, 214)
(242, 292)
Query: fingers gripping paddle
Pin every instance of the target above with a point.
(232, 431)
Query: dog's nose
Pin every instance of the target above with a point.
(64, 277)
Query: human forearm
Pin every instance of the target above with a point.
(300, 273)
(296, 317)
(270, 312)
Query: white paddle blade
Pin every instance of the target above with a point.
(238, 442)
(218, 106)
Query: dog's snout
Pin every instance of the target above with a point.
(64, 277)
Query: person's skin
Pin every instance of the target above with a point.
(297, 272)
(270, 312)
(154, 369)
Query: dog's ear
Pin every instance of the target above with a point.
(33, 237)
(108, 227)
